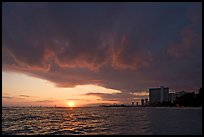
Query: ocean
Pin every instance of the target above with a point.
(101, 121)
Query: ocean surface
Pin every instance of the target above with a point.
(101, 121)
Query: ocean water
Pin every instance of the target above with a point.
(101, 121)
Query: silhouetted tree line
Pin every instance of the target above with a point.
(190, 99)
(186, 100)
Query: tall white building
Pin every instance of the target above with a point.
(158, 95)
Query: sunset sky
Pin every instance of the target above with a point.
(95, 53)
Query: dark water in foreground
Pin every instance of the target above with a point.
(101, 121)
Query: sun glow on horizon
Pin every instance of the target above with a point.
(71, 104)
(33, 91)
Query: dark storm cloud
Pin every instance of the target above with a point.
(124, 46)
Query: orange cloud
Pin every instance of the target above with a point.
(137, 61)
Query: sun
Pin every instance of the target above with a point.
(71, 104)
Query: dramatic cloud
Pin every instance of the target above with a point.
(124, 46)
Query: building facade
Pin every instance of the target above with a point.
(172, 97)
(158, 95)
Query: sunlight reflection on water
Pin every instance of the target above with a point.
(100, 121)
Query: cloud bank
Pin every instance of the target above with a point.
(125, 46)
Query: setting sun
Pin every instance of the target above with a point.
(71, 104)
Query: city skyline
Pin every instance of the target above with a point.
(85, 54)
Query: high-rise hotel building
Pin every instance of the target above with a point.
(158, 95)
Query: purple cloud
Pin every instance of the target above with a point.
(124, 46)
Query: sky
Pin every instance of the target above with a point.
(97, 53)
